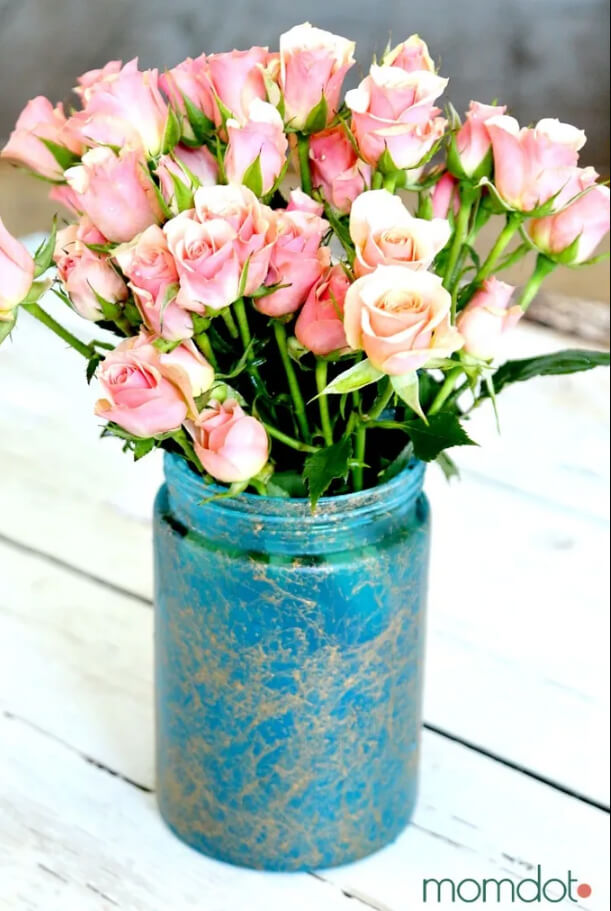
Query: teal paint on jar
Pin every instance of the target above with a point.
(289, 653)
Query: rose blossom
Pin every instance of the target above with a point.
(393, 110)
(445, 196)
(586, 221)
(487, 317)
(186, 366)
(115, 192)
(184, 164)
(90, 81)
(473, 140)
(385, 233)
(297, 260)
(313, 64)
(191, 79)
(533, 165)
(148, 393)
(39, 120)
(261, 137)
(410, 55)
(206, 261)
(237, 78)
(301, 202)
(162, 314)
(320, 325)
(337, 169)
(124, 107)
(400, 319)
(231, 445)
(84, 273)
(16, 273)
(253, 224)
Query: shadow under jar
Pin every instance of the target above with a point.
(289, 651)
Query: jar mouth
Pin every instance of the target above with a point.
(405, 486)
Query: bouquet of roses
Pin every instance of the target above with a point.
(291, 279)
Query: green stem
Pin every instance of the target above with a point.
(358, 472)
(542, 269)
(289, 441)
(384, 397)
(48, 321)
(512, 225)
(203, 343)
(445, 391)
(460, 235)
(323, 401)
(230, 322)
(378, 180)
(300, 411)
(242, 318)
(182, 440)
(303, 151)
(390, 183)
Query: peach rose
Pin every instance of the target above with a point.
(313, 64)
(232, 446)
(38, 121)
(253, 225)
(394, 110)
(586, 221)
(411, 55)
(473, 140)
(487, 317)
(533, 165)
(260, 137)
(320, 324)
(16, 273)
(336, 168)
(297, 261)
(84, 273)
(115, 192)
(400, 319)
(237, 78)
(385, 233)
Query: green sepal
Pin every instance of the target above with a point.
(316, 120)
(201, 125)
(253, 177)
(63, 156)
(356, 377)
(171, 133)
(44, 254)
(407, 387)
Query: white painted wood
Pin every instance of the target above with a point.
(75, 682)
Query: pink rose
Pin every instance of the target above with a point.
(161, 314)
(231, 445)
(297, 260)
(237, 78)
(487, 317)
(206, 261)
(301, 202)
(192, 167)
(191, 79)
(473, 140)
(336, 168)
(16, 273)
(66, 197)
(145, 397)
(586, 221)
(115, 192)
(385, 233)
(400, 319)
(147, 261)
(124, 108)
(533, 165)
(411, 55)
(253, 225)
(445, 197)
(93, 79)
(394, 110)
(320, 325)
(261, 137)
(189, 370)
(38, 121)
(84, 273)
(313, 64)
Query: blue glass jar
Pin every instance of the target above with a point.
(289, 650)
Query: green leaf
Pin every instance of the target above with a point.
(92, 366)
(443, 431)
(143, 447)
(44, 254)
(201, 125)
(317, 118)
(361, 374)
(398, 464)
(63, 156)
(407, 388)
(6, 327)
(182, 194)
(290, 482)
(325, 466)
(171, 132)
(253, 177)
(572, 360)
(448, 466)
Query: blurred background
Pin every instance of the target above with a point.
(541, 57)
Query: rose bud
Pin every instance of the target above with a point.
(161, 314)
(86, 275)
(115, 192)
(193, 168)
(38, 121)
(16, 273)
(191, 80)
(301, 202)
(385, 233)
(411, 55)
(445, 196)
(237, 78)
(231, 445)
(576, 231)
(313, 64)
(92, 80)
(260, 138)
(487, 317)
(472, 143)
(400, 319)
(337, 169)
(320, 324)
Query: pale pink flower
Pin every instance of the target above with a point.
(16, 273)
(336, 168)
(320, 324)
(487, 317)
(584, 223)
(473, 140)
(261, 138)
(231, 445)
(87, 275)
(40, 121)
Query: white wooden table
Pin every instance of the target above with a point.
(515, 768)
